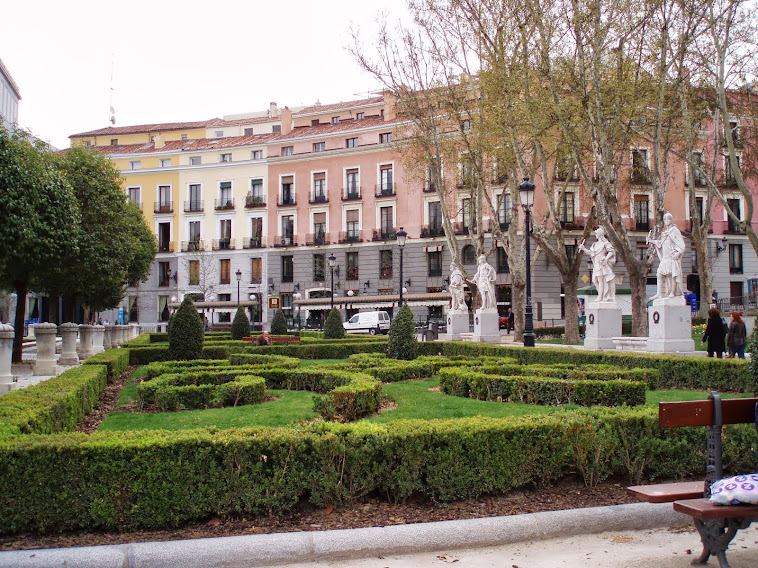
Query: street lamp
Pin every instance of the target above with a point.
(332, 260)
(526, 192)
(239, 277)
(401, 236)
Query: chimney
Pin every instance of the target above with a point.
(160, 141)
(286, 120)
(272, 110)
(389, 106)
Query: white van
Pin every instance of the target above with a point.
(368, 322)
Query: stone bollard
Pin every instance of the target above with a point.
(69, 334)
(98, 336)
(107, 336)
(115, 340)
(124, 333)
(45, 334)
(7, 333)
(85, 342)
(133, 330)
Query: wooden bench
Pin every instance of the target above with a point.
(717, 524)
(284, 338)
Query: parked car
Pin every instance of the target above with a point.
(368, 322)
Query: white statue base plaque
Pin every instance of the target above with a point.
(487, 326)
(602, 324)
(670, 326)
(457, 324)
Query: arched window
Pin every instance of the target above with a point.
(469, 254)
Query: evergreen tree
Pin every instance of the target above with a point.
(333, 328)
(185, 334)
(279, 323)
(402, 342)
(240, 325)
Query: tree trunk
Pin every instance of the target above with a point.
(22, 288)
(518, 298)
(571, 309)
(638, 286)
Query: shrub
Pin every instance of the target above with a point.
(333, 328)
(185, 336)
(402, 342)
(279, 323)
(240, 325)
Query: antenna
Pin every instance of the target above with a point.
(112, 117)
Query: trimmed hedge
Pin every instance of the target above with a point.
(145, 355)
(339, 349)
(203, 390)
(116, 360)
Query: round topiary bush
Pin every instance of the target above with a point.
(333, 328)
(279, 323)
(402, 342)
(185, 334)
(240, 325)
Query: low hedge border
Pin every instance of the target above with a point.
(145, 355)
(171, 392)
(116, 360)
(339, 349)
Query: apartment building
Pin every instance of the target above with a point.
(9, 97)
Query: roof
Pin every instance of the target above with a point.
(319, 108)
(187, 145)
(140, 128)
(327, 129)
(11, 82)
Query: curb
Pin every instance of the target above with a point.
(282, 548)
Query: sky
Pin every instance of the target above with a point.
(176, 61)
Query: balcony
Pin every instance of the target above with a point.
(432, 231)
(193, 206)
(350, 237)
(223, 244)
(253, 201)
(460, 228)
(285, 241)
(641, 225)
(318, 198)
(164, 207)
(165, 246)
(429, 188)
(641, 175)
(254, 242)
(384, 235)
(315, 239)
(571, 225)
(224, 204)
(286, 201)
(351, 193)
(194, 245)
(385, 189)
(493, 223)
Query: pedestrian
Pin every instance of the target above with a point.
(737, 336)
(714, 298)
(511, 320)
(263, 339)
(714, 333)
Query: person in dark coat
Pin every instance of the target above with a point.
(737, 336)
(511, 319)
(715, 334)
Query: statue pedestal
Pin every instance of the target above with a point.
(487, 326)
(457, 323)
(670, 326)
(603, 323)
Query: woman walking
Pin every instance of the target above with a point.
(714, 333)
(737, 336)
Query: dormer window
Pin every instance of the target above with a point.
(385, 137)
(360, 115)
(319, 146)
(288, 150)
(226, 158)
(219, 134)
(335, 120)
(114, 141)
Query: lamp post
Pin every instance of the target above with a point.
(332, 260)
(239, 277)
(401, 236)
(526, 192)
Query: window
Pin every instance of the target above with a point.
(351, 143)
(164, 199)
(434, 263)
(640, 168)
(435, 218)
(288, 268)
(319, 228)
(641, 212)
(570, 252)
(225, 270)
(504, 211)
(386, 222)
(314, 122)
(319, 262)
(565, 166)
(502, 261)
(248, 132)
(735, 259)
(225, 200)
(135, 165)
(133, 195)
(468, 255)
(256, 272)
(469, 220)
(335, 120)
(165, 162)
(288, 229)
(256, 192)
(319, 146)
(256, 232)
(164, 273)
(219, 134)
(699, 209)
(183, 136)
(226, 158)
(466, 172)
(114, 141)
(566, 209)
(276, 128)
(735, 206)
(385, 137)
(257, 155)
(641, 252)
(319, 187)
(225, 234)
(288, 150)
(729, 176)
(164, 237)
(351, 261)
(360, 115)
(466, 125)
(353, 187)
(193, 232)
(352, 221)
(195, 202)
(194, 272)
(696, 170)
(385, 264)
(386, 187)
(734, 129)
(288, 190)
(195, 160)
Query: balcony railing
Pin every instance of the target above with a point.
(642, 225)
(252, 201)
(432, 231)
(350, 237)
(641, 175)
(384, 235)
(429, 188)
(460, 228)
(385, 189)
(571, 225)
(223, 244)
(254, 242)
(193, 206)
(224, 204)
(285, 200)
(285, 241)
(352, 273)
(351, 193)
(165, 246)
(192, 246)
(319, 198)
(313, 239)
(164, 207)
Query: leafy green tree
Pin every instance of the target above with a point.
(333, 328)
(402, 342)
(39, 218)
(185, 334)
(240, 325)
(279, 323)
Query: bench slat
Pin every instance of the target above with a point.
(705, 510)
(700, 412)
(667, 492)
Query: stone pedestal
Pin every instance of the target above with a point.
(45, 334)
(133, 330)
(69, 335)
(85, 342)
(487, 326)
(98, 336)
(123, 331)
(7, 333)
(670, 326)
(603, 323)
(457, 323)
(107, 336)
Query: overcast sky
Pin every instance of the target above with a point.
(179, 60)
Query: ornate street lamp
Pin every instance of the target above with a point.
(239, 277)
(401, 237)
(526, 192)
(332, 260)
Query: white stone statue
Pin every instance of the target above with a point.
(669, 247)
(603, 260)
(456, 289)
(485, 281)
